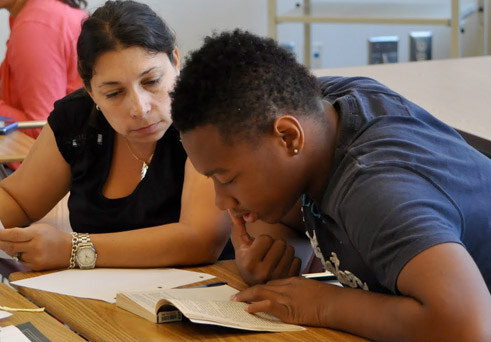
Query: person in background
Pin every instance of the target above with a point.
(395, 202)
(135, 200)
(40, 64)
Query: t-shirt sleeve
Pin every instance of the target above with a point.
(334, 87)
(391, 214)
(68, 121)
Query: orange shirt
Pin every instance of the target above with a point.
(40, 64)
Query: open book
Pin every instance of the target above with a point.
(206, 305)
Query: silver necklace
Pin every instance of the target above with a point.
(144, 168)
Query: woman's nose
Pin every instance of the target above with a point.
(139, 105)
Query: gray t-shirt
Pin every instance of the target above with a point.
(402, 182)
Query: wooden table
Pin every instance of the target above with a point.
(101, 321)
(14, 146)
(456, 91)
(47, 325)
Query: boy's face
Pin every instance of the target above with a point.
(253, 182)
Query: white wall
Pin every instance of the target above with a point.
(191, 19)
(343, 45)
(4, 31)
(346, 44)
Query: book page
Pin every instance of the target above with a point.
(149, 299)
(223, 292)
(230, 314)
(210, 305)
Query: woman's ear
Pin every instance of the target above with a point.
(89, 91)
(176, 60)
(290, 133)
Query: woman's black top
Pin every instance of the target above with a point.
(86, 140)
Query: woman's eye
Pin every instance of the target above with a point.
(153, 81)
(111, 95)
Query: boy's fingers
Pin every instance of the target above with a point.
(239, 232)
(295, 267)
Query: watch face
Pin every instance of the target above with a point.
(86, 256)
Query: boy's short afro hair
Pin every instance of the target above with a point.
(240, 83)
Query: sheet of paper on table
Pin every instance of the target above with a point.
(12, 334)
(4, 314)
(104, 283)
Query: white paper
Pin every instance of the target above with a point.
(12, 334)
(4, 314)
(104, 283)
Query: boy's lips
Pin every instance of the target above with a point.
(248, 217)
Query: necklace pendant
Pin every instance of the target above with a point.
(144, 169)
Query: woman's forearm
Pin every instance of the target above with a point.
(168, 245)
(11, 213)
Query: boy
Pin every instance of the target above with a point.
(395, 202)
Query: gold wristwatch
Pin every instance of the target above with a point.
(83, 252)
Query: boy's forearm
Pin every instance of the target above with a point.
(382, 317)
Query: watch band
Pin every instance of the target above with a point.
(74, 250)
(77, 240)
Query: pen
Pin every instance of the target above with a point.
(322, 276)
(217, 283)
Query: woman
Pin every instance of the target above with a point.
(135, 201)
(40, 64)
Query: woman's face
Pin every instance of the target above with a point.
(131, 87)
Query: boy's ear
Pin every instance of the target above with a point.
(290, 133)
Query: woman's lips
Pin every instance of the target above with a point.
(147, 129)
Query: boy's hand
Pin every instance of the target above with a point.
(293, 300)
(263, 258)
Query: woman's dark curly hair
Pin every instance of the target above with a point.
(241, 83)
(121, 24)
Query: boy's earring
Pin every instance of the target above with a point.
(295, 150)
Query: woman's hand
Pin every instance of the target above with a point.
(42, 246)
(263, 258)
